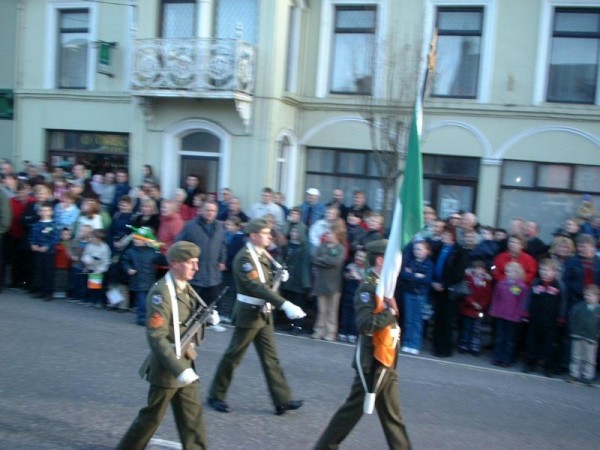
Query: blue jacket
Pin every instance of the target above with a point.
(316, 213)
(410, 282)
(45, 234)
(573, 277)
(140, 259)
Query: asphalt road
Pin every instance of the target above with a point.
(68, 380)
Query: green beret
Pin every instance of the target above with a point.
(256, 225)
(183, 251)
(377, 247)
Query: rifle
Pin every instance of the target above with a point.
(198, 318)
(279, 270)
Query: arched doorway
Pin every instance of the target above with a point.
(195, 147)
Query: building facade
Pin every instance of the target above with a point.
(254, 93)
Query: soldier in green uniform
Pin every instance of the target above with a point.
(169, 368)
(381, 381)
(253, 320)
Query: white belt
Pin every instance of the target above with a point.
(250, 300)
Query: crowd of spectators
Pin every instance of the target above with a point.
(463, 286)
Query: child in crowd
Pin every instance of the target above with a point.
(416, 277)
(78, 273)
(43, 238)
(138, 263)
(584, 329)
(374, 232)
(473, 307)
(235, 239)
(545, 310)
(328, 260)
(62, 264)
(66, 212)
(508, 302)
(353, 276)
(96, 260)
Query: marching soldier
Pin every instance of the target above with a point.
(253, 320)
(376, 381)
(170, 369)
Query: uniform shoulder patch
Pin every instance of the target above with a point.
(156, 321)
(253, 275)
(365, 297)
(247, 267)
(156, 299)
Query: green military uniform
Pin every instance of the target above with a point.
(253, 324)
(387, 400)
(161, 369)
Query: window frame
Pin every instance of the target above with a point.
(554, 34)
(52, 42)
(324, 59)
(465, 33)
(544, 49)
(487, 47)
(161, 19)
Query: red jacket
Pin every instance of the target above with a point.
(169, 227)
(62, 260)
(527, 262)
(17, 230)
(481, 293)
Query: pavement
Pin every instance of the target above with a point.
(68, 380)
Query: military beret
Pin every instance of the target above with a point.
(376, 247)
(256, 225)
(183, 251)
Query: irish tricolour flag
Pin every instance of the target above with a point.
(408, 212)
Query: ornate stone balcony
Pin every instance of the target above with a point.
(195, 68)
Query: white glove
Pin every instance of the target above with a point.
(292, 311)
(214, 318)
(285, 276)
(188, 376)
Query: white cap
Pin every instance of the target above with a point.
(313, 191)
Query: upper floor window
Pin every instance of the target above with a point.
(458, 51)
(73, 48)
(235, 17)
(573, 67)
(178, 18)
(353, 49)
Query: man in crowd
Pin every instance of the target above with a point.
(209, 235)
(337, 200)
(312, 210)
(253, 321)
(267, 206)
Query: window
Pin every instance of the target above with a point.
(353, 49)
(73, 48)
(282, 167)
(450, 183)
(98, 150)
(237, 16)
(350, 170)
(547, 193)
(293, 41)
(458, 52)
(178, 18)
(573, 68)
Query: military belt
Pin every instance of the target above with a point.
(250, 300)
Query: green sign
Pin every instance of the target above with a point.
(104, 64)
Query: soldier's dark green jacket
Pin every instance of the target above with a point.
(247, 282)
(367, 322)
(162, 366)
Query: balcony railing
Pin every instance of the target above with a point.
(195, 67)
